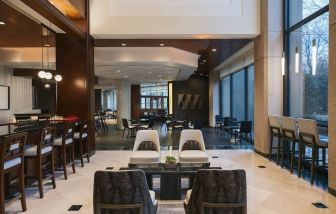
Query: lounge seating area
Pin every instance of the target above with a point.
(167, 107)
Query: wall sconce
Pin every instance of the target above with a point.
(314, 57)
(297, 60)
(283, 64)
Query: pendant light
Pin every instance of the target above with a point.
(297, 60)
(314, 57)
(42, 74)
(48, 75)
(283, 64)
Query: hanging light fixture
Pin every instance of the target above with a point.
(47, 85)
(49, 75)
(58, 78)
(314, 57)
(283, 64)
(297, 60)
(42, 74)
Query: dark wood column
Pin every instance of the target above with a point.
(75, 93)
(135, 101)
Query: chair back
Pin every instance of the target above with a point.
(218, 191)
(150, 123)
(219, 118)
(47, 138)
(308, 132)
(289, 128)
(68, 132)
(125, 123)
(245, 126)
(12, 147)
(147, 135)
(117, 192)
(228, 121)
(191, 135)
(275, 125)
(84, 130)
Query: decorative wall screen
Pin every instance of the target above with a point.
(189, 101)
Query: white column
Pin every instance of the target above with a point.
(123, 100)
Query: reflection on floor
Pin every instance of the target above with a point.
(271, 190)
(113, 140)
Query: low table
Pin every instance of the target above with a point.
(170, 177)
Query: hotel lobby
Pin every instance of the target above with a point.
(180, 106)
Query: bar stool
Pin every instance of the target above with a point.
(289, 134)
(12, 159)
(43, 150)
(275, 131)
(81, 140)
(309, 137)
(66, 142)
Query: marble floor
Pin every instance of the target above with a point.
(270, 190)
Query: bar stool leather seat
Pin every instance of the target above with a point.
(11, 163)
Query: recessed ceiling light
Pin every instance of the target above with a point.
(126, 76)
(162, 44)
(2, 23)
(47, 45)
(214, 50)
(204, 60)
(123, 44)
(149, 72)
(118, 71)
(201, 74)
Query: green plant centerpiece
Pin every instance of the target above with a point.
(170, 160)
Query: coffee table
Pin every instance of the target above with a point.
(170, 177)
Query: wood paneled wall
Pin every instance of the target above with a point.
(135, 101)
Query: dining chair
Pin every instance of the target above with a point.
(82, 147)
(219, 122)
(44, 150)
(289, 135)
(309, 137)
(12, 160)
(217, 191)
(127, 127)
(245, 128)
(66, 145)
(274, 123)
(117, 192)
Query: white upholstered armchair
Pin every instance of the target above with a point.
(146, 148)
(192, 147)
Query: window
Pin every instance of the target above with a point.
(237, 95)
(250, 93)
(308, 87)
(301, 9)
(226, 91)
(154, 96)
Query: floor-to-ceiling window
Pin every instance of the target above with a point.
(307, 39)
(237, 94)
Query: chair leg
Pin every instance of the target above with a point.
(278, 152)
(39, 176)
(323, 161)
(64, 162)
(2, 194)
(300, 160)
(22, 189)
(292, 156)
(87, 151)
(73, 157)
(270, 148)
(313, 165)
(53, 169)
(81, 152)
(123, 132)
(282, 152)
(128, 133)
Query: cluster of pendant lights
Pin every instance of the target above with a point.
(45, 74)
(297, 60)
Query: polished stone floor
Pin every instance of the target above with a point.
(270, 190)
(113, 140)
